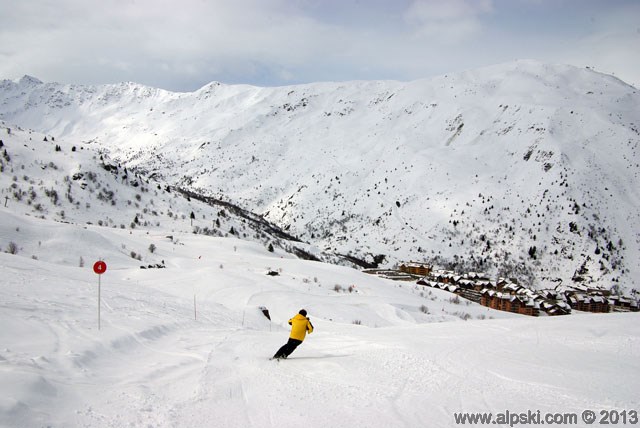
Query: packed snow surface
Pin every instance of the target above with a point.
(188, 346)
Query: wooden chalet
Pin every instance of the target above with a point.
(518, 304)
(554, 308)
(412, 268)
(623, 304)
(439, 285)
(444, 276)
(500, 283)
(477, 277)
(594, 289)
(512, 288)
(587, 303)
(466, 284)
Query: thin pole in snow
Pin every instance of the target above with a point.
(6, 199)
(99, 267)
(99, 284)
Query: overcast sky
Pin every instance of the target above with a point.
(182, 45)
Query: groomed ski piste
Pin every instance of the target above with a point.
(386, 354)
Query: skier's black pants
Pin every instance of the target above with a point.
(288, 348)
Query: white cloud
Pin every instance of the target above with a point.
(450, 21)
(183, 45)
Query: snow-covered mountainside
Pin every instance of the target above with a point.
(49, 179)
(524, 170)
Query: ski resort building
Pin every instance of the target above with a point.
(587, 303)
(413, 268)
(503, 295)
(508, 295)
(623, 304)
(518, 304)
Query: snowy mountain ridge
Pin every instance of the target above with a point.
(524, 170)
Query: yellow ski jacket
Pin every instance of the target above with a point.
(300, 325)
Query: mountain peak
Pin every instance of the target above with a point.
(29, 80)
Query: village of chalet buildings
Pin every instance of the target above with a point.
(507, 295)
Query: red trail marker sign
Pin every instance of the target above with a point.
(99, 267)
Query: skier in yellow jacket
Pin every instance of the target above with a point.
(300, 326)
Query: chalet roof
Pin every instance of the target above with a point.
(478, 275)
(587, 299)
(550, 294)
(415, 264)
(559, 310)
(581, 297)
(441, 272)
(512, 286)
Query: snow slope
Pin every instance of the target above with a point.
(156, 363)
(522, 170)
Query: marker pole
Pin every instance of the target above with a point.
(99, 268)
(99, 287)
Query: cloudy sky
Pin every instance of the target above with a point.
(181, 45)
